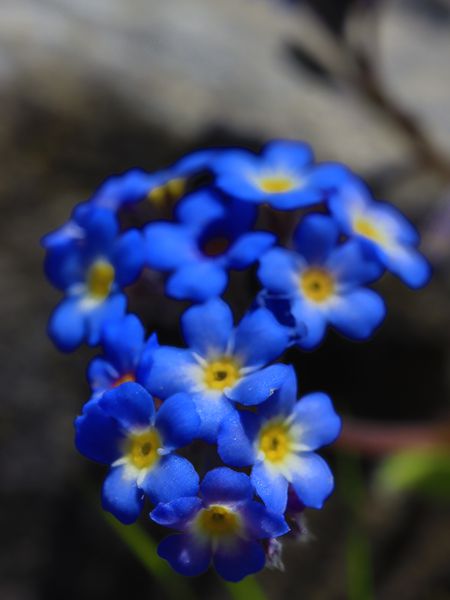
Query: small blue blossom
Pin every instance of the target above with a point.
(127, 356)
(324, 281)
(283, 175)
(280, 442)
(136, 185)
(224, 526)
(211, 237)
(121, 429)
(90, 262)
(223, 364)
(383, 231)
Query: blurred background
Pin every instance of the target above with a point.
(94, 87)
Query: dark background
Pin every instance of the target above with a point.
(88, 89)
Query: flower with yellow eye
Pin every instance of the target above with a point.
(382, 230)
(122, 429)
(324, 281)
(223, 365)
(280, 442)
(225, 526)
(127, 355)
(90, 262)
(283, 175)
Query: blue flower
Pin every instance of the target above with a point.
(280, 442)
(284, 175)
(212, 236)
(127, 356)
(323, 281)
(90, 262)
(224, 525)
(136, 185)
(223, 364)
(383, 231)
(122, 430)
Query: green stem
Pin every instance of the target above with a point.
(247, 589)
(144, 549)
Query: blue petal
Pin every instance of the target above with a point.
(329, 177)
(261, 523)
(304, 195)
(97, 435)
(235, 440)
(259, 386)
(171, 372)
(279, 271)
(259, 338)
(176, 514)
(207, 328)
(312, 479)
(169, 245)
(177, 420)
(171, 478)
(410, 266)
(270, 486)
(358, 313)
(292, 155)
(235, 561)
(67, 325)
(200, 208)
(283, 400)
(127, 188)
(111, 308)
(350, 266)
(317, 421)
(128, 257)
(146, 359)
(185, 554)
(212, 408)
(224, 485)
(315, 237)
(101, 375)
(100, 225)
(123, 340)
(196, 161)
(121, 496)
(198, 281)
(305, 313)
(248, 248)
(130, 405)
(64, 266)
(351, 198)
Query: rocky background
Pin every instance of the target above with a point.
(90, 88)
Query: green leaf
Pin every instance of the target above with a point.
(424, 471)
(247, 589)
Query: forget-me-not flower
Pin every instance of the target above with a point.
(122, 429)
(324, 281)
(223, 364)
(225, 526)
(279, 441)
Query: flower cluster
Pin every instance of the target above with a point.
(212, 434)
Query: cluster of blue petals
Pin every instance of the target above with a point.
(226, 388)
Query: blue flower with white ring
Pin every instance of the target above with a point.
(223, 364)
(383, 231)
(223, 525)
(323, 281)
(123, 430)
(283, 175)
(279, 442)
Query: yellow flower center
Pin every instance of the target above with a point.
(275, 441)
(218, 521)
(317, 284)
(368, 230)
(142, 448)
(222, 373)
(172, 190)
(276, 184)
(128, 377)
(100, 278)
